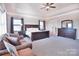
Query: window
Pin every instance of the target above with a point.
(42, 25)
(17, 25)
(3, 28)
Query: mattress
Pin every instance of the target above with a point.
(30, 30)
(56, 46)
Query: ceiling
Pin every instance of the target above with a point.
(34, 8)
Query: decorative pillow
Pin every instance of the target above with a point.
(27, 40)
(2, 46)
(11, 49)
(23, 33)
(14, 40)
(3, 37)
(13, 35)
(26, 35)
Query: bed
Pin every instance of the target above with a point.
(30, 30)
(56, 46)
(36, 34)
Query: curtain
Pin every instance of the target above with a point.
(3, 28)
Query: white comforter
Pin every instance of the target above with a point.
(56, 46)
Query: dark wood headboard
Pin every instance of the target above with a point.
(67, 32)
(31, 26)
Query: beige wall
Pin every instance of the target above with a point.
(54, 23)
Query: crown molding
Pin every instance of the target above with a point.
(65, 9)
(63, 14)
(23, 15)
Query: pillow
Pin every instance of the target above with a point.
(14, 40)
(2, 46)
(13, 35)
(26, 35)
(3, 37)
(28, 40)
(11, 49)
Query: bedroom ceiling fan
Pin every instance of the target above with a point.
(47, 6)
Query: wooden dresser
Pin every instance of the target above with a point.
(67, 32)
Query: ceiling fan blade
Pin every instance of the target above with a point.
(43, 7)
(52, 6)
(44, 4)
(47, 4)
(47, 9)
(51, 3)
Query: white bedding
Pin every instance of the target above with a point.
(56, 46)
(30, 30)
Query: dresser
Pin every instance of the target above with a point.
(67, 32)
